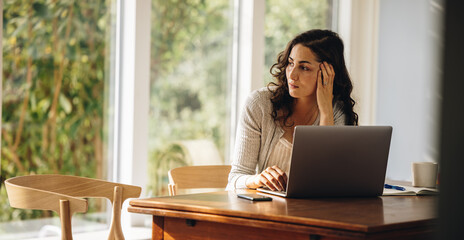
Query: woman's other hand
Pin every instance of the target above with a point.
(324, 92)
(272, 177)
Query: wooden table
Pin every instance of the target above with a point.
(221, 215)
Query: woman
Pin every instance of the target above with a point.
(312, 88)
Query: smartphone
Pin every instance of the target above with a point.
(254, 197)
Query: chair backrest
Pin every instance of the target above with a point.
(65, 195)
(206, 176)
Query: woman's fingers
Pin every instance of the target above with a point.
(267, 180)
(325, 90)
(324, 93)
(274, 178)
(331, 72)
(320, 82)
(281, 176)
(328, 73)
(324, 74)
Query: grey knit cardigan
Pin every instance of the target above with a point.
(257, 134)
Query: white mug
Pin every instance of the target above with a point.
(424, 174)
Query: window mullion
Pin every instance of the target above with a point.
(133, 77)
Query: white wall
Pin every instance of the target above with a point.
(358, 27)
(408, 80)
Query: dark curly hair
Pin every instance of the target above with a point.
(328, 47)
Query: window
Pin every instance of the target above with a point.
(280, 26)
(189, 94)
(56, 56)
(68, 46)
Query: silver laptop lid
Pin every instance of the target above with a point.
(338, 161)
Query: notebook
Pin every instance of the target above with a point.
(411, 191)
(337, 161)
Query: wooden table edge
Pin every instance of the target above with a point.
(159, 207)
(329, 225)
(251, 222)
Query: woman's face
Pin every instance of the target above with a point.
(301, 72)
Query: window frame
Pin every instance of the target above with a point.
(132, 84)
(248, 57)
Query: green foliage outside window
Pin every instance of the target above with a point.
(191, 41)
(285, 19)
(55, 55)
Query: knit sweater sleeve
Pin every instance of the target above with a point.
(248, 142)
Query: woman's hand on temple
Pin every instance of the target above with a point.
(272, 177)
(324, 92)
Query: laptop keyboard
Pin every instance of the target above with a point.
(275, 191)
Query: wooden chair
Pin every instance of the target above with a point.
(65, 195)
(189, 177)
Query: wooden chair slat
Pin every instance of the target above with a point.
(205, 176)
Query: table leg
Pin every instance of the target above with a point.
(158, 228)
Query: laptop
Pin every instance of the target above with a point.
(337, 161)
